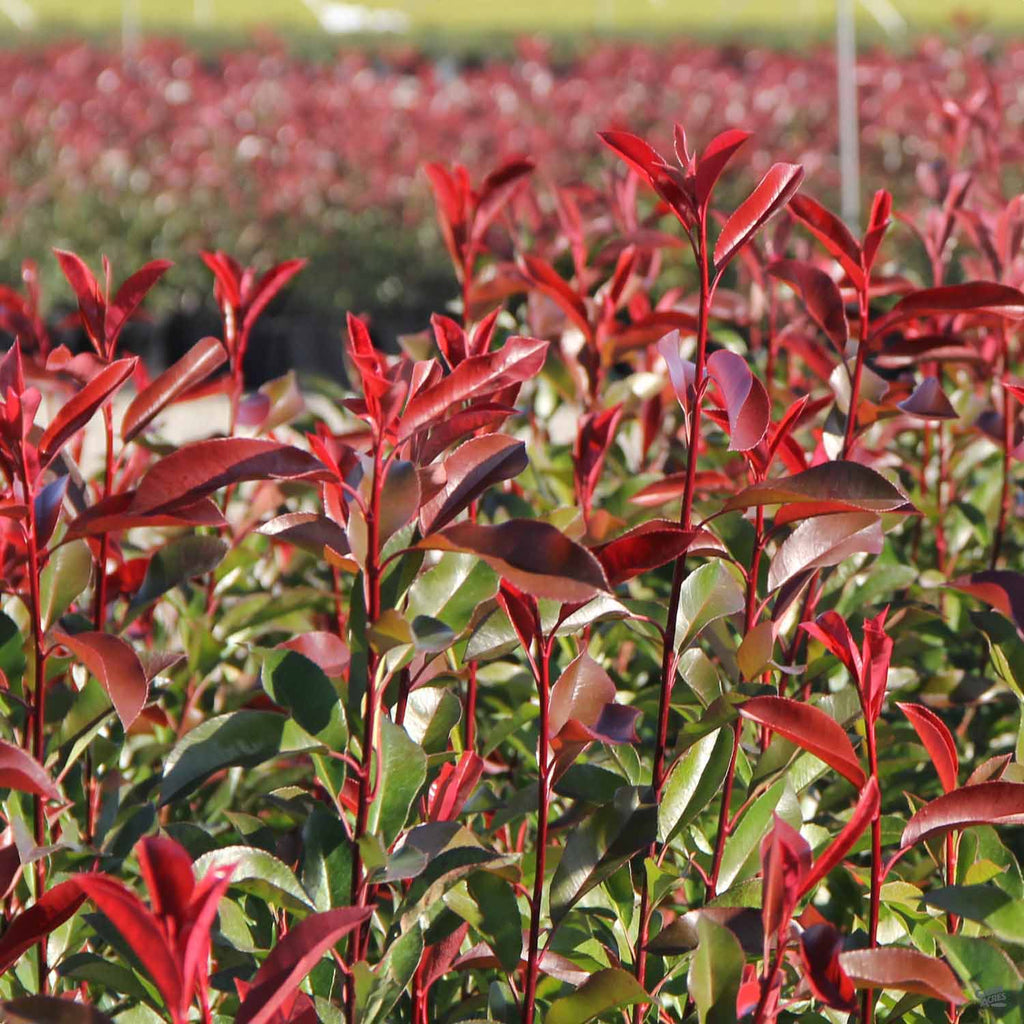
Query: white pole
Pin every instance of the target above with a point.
(849, 130)
(129, 27)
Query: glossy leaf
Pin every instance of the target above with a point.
(177, 562)
(693, 782)
(257, 872)
(197, 470)
(716, 156)
(82, 407)
(402, 772)
(987, 803)
(929, 402)
(970, 297)
(189, 371)
(533, 555)
(65, 577)
(245, 738)
(770, 195)
(710, 592)
(937, 740)
(821, 297)
(1003, 589)
(904, 969)
(604, 991)
(115, 664)
(310, 531)
(294, 956)
(848, 482)
(809, 728)
(597, 849)
(476, 465)
(518, 360)
(645, 547)
(832, 233)
(746, 401)
(824, 541)
(715, 971)
(48, 913)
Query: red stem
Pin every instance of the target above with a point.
(39, 705)
(360, 893)
(858, 373)
(1004, 502)
(868, 999)
(543, 797)
(668, 657)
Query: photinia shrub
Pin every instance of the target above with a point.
(644, 640)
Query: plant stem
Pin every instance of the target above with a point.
(868, 999)
(668, 656)
(543, 796)
(359, 892)
(1007, 467)
(858, 373)
(38, 737)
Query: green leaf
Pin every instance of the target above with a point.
(748, 834)
(402, 772)
(431, 635)
(710, 592)
(989, 904)
(98, 970)
(451, 590)
(498, 919)
(989, 974)
(244, 738)
(12, 648)
(259, 873)
(606, 990)
(175, 563)
(49, 1010)
(612, 835)
(66, 575)
(326, 859)
(693, 782)
(301, 686)
(715, 971)
(431, 714)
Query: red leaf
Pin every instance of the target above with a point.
(141, 930)
(987, 803)
(937, 740)
(450, 338)
(832, 233)
(970, 297)
(810, 728)
(269, 285)
(772, 193)
(116, 665)
(929, 402)
(1001, 588)
(785, 862)
(111, 515)
(309, 531)
(167, 871)
(49, 912)
(848, 482)
(294, 956)
(80, 409)
(643, 548)
(824, 541)
(454, 786)
(469, 471)
(21, 771)
(650, 165)
(87, 291)
(713, 160)
(522, 613)
(547, 280)
(831, 630)
(878, 222)
(531, 554)
(517, 360)
(497, 189)
(326, 650)
(820, 946)
(457, 425)
(904, 969)
(190, 370)
(821, 297)
(129, 296)
(868, 805)
(746, 401)
(199, 469)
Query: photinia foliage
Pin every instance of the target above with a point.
(643, 640)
